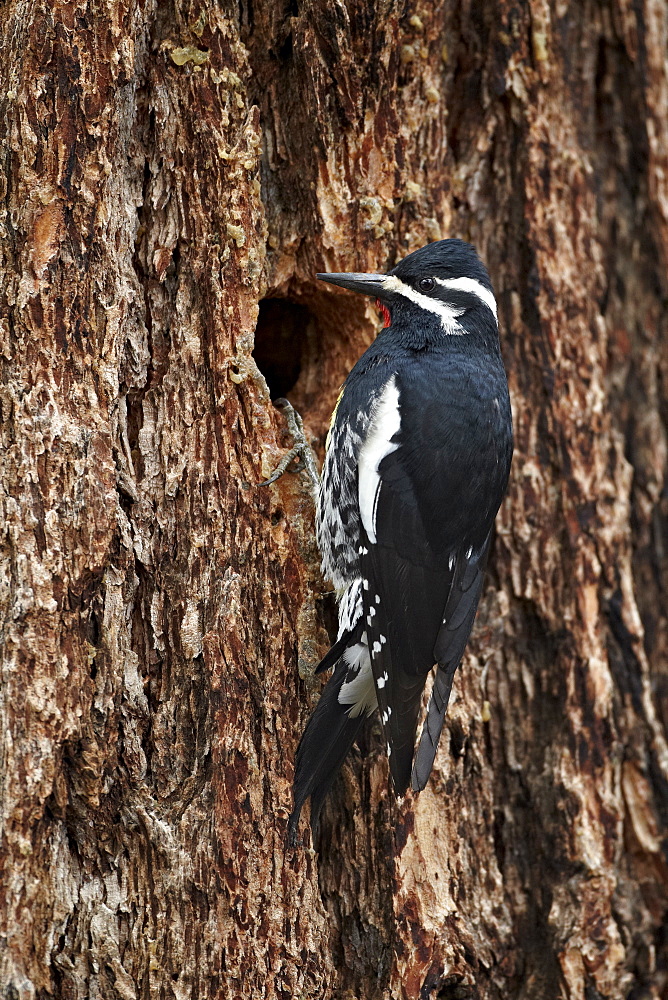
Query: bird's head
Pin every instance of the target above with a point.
(443, 282)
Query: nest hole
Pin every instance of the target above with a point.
(280, 343)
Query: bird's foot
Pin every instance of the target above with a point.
(301, 449)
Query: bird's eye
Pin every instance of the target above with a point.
(426, 284)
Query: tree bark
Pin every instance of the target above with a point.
(174, 175)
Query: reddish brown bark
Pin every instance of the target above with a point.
(174, 175)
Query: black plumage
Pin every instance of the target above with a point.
(417, 464)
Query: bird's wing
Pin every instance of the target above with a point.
(452, 637)
(420, 587)
(405, 602)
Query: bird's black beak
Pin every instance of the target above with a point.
(367, 284)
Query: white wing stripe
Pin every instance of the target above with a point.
(385, 423)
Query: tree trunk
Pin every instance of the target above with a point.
(174, 175)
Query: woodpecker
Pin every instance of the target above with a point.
(417, 462)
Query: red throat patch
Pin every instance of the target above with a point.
(387, 319)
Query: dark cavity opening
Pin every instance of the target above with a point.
(280, 341)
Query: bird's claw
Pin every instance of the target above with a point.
(284, 466)
(301, 449)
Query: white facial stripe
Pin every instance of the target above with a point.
(471, 286)
(385, 423)
(447, 314)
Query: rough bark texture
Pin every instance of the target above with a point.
(166, 167)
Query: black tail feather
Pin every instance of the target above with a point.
(448, 651)
(402, 726)
(327, 739)
(431, 730)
